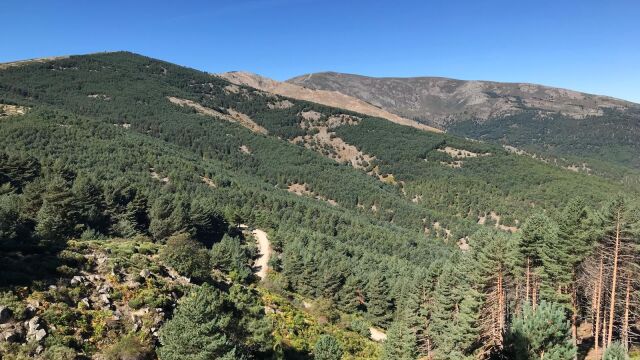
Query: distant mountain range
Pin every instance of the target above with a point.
(440, 101)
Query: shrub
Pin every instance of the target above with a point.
(59, 352)
(327, 348)
(187, 256)
(129, 347)
(615, 352)
(11, 301)
(544, 330)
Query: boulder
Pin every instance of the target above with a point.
(77, 280)
(86, 302)
(105, 298)
(11, 336)
(40, 334)
(145, 273)
(33, 324)
(5, 314)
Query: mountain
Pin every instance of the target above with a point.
(545, 120)
(329, 98)
(140, 201)
(442, 101)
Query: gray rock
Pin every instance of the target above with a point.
(5, 314)
(105, 298)
(145, 273)
(86, 302)
(77, 280)
(40, 334)
(11, 336)
(33, 324)
(39, 349)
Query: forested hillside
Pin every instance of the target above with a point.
(588, 133)
(126, 183)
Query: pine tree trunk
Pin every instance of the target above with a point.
(598, 291)
(594, 299)
(574, 317)
(534, 293)
(612, 302)
(526, 298)
(604, 329)
(501, 304)
(625, 320)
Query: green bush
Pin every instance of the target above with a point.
(129, 347)
(187, 256)
(327, 348)
(59, 352)
(615, 352)
(11, 301)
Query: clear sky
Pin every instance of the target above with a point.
(587, 45)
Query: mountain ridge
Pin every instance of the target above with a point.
(329, 98)
(438, 101)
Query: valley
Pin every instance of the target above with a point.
(260, 220)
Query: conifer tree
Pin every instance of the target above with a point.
(454, 319)
(401, 340)
(90, 203)
(540, 333)
(209, 226)
(350, 296)
(327, 348)
(615, 351)
(198, 329)
(538, 232)
(58, 215)
(578, 228)
(496, 259)
(378, 302)
(612, 272)
(9, 221)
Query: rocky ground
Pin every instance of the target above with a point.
(119, 289)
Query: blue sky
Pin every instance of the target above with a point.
(587, 45)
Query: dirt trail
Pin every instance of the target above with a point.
(265, 253)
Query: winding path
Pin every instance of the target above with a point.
(262, 263)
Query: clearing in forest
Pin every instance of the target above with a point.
(233, 116)
(303, 190)
(10, 110)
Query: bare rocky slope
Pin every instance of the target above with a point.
(329, 98)
(439, 101)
